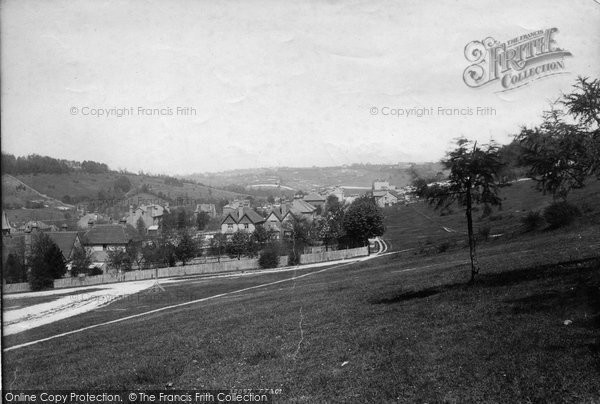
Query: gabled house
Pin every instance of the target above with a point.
(244, 219)
(275, 221)
(151, 215)
(303, 208)
(105, 237)
(315, 199)
(385, 198)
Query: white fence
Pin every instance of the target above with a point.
(333, 255)
(195, 269)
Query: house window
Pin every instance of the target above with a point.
(229, 227)
(246, 226)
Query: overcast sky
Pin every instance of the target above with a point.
(272, 82)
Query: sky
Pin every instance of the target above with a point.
(181, 86)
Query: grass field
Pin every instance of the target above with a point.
(403, 327)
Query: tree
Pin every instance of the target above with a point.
(299, 232)
(186, 248)
(202, 219)
(238, 244)
(47, 262)
(82, 259)
(473, 180)
(260, 235)
(330, 228)
(363, 220)
(218, 244)
(119, 259)
(135, 252)
(140, 227)
(122, 184)
(13, 270)
(564, 151)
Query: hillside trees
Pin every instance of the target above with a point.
(473, 180)
(563, 152)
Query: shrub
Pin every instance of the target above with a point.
(269, 258)
(532, 221)
(95, 271)
(484, 232)
(560, 214)
(443, 247)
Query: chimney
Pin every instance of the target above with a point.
(240, 212)
(283, 209)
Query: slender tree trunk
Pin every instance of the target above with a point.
(472, 252)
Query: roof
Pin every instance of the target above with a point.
(65, 240)
(205, 207)
(313, 196)
(382, 193)
(302, 206)
(106, 234)
(5, 223)
(245, 212)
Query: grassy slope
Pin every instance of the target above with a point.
(85, 184)
(406, 334)
(420, 226)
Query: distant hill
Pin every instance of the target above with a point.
(308, 178)
(75, 187)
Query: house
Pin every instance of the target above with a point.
(385, 198)
(235, 205)
(244, 219)
(151, 215)
(6, 227)
(34, 225)
(105, 237)
(207, 208)
(315, 200)
(67, 242)
(276, 219)
(304, 209)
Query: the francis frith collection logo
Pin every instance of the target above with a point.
(516, 62)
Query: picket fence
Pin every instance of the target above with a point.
(195, 269)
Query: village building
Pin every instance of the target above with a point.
(385, 198)
(244, 219)
(207, 208)
(151, 215)
(315, 200)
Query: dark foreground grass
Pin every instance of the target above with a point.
(398, 328)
